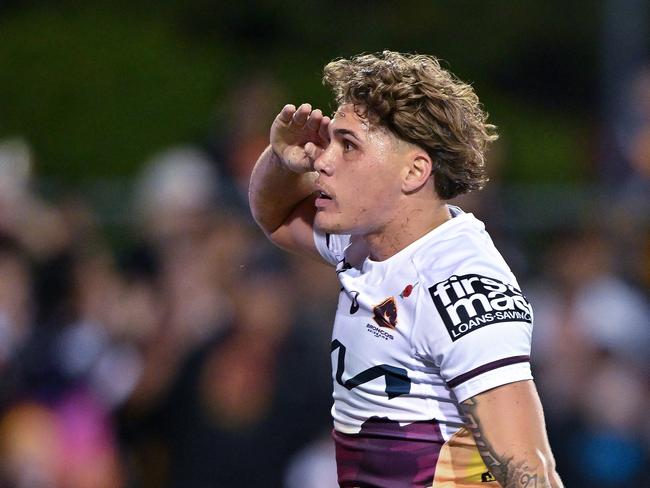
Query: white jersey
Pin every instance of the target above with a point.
(414, 335)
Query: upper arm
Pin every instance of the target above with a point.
(509, 429)
(296, 233)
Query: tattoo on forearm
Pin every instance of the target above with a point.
(509, 471)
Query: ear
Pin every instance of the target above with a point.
(417, 171)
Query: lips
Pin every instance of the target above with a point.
(323, 198)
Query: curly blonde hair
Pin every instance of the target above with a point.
(421, 103)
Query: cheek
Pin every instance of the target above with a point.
(371, 199)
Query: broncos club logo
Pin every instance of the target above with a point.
(385, 314)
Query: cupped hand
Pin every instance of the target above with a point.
(299, 136)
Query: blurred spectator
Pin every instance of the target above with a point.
(23, 215)
(221, 385)
(173, 274)
(176, 192)
(630, 216)
(15, 298)
(590, 343)
(314, 466)
(243, 130)
(610, 436)
(246, 400)
(56, 429)
(68, 444)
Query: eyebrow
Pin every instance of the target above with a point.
(345, 132)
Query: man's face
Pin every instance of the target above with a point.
(360, 176)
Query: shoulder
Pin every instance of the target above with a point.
(469, 286)
(463, 249)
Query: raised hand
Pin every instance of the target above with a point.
(298, 136)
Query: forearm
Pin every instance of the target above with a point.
(511, 437)
(514, 468)
(275, 191)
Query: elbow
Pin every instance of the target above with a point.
(263, 217)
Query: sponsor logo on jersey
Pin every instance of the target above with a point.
(469, 302)
(385, 314)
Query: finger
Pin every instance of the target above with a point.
(312, 151)
(286, 113)
(300, 117)
(314, 120)
(323, 132)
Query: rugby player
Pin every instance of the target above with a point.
(432, 335)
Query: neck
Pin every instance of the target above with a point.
(405, 229)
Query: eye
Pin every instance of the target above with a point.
(348, 146)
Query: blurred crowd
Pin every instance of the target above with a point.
(193, 354)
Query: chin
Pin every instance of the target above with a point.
(323, 224)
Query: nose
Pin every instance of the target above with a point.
(323, 163)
